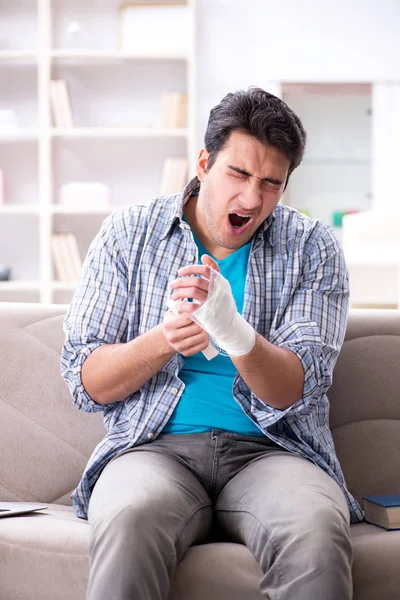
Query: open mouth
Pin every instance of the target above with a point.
(238, 221)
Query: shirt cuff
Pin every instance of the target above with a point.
(81, 398)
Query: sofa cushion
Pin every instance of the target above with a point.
(45, 555)
(376, 572)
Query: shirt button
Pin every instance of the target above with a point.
(190, 257)
(174, 390)
(150, 436)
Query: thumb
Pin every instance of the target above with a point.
(209, 262)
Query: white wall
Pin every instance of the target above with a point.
(252, 42)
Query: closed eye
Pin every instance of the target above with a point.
(237, 175)
(267, 185)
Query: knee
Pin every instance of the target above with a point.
(324, 535)
(128, 520)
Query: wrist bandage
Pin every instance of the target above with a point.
(220, 318)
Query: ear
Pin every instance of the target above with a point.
(201, 167)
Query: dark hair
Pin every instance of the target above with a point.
(260, 114)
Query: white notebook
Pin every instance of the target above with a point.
(9, 509)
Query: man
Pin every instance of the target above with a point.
(242, 438)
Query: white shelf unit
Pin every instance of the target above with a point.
(117, 138)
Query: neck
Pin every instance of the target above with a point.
(199, 228)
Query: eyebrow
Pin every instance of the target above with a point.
(243, 172)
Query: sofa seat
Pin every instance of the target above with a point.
(54, 543)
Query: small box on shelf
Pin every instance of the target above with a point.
(155, 28)
(90, 194)
(337, 216)
(5, 272)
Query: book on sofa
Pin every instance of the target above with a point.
(383, 511)
(9, 509)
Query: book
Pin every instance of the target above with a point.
(59, 259)
(383, 511)
(174, 110)
(60, 103)
(74, 255)
(173, 176)
(66, 257)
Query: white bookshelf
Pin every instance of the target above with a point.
(117, 138)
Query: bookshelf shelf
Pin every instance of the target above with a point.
(18, 286)
(19, 135)
(82, 210)
(118, 132)
(18, 209)
(119, 138)
(18, 55)
(104, 55)
(63, 286)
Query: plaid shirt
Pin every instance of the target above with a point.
(296, 296)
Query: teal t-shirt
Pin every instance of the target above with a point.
(207, 401)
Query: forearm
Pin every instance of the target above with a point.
(114, 371)
(275, 375)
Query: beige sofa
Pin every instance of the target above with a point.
(45, 443)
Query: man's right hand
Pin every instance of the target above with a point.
(183, 335)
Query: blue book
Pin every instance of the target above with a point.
(383, 511)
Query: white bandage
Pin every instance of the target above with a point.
(220, 318)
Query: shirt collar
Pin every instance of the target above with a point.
(175, 212)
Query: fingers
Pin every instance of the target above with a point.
(173, 321)
(189, 287)
(183, 335)
(186, 307)
(209, 262)
(192, 345)
(202, 270)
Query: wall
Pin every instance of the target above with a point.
(252, 42)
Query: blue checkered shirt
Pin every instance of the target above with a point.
(296, 296)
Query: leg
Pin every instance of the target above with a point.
(295, 520)
(145, 511)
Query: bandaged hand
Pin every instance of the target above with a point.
(213, 307)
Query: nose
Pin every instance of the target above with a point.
(251, 197)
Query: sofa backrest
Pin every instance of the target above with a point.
(46, 442)
(365, 402)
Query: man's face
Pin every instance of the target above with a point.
(239, 192)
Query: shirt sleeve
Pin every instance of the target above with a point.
(98, 311)
(313, 324)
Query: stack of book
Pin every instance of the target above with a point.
(60, 104)
(174, 110)
(174, 175)
(66, 257)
